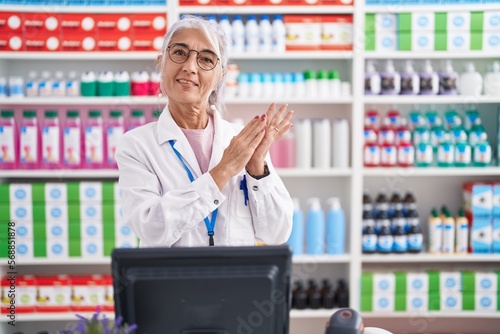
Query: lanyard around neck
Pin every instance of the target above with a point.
(209, 224)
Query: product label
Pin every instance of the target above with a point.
(424, 154)
(385, 243)
(114, 134)
(435, 236)
(7, 154)
(463, 154)
(94, 144)
(447, 84)
(50, 144)
(372, 155)
(415, 241)
(462, 237)
(406, 155)
(28, 144)
(445, 154)
(72, 146)
(482, 153)
(31, 88)
(400, 243)
(388, 155)
(369, 243)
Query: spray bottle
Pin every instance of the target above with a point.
(315, 229)
(296, 240)
(448, 231)
(435, 232)
(410, 81)
(462, 233)
(335, 227)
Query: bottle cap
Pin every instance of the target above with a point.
(314, 203)
(50, 113)
(310, 74)
(156, 113)
(409, 67)
(322, 74)
(29, 113)
(370, 67)
(115, 113)
(334, 203)
(333, 74)
(428, 67)
(94, 113)
(137, 113)
(470, 68)
(72, 113)
(389, 66)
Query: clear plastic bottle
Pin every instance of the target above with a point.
(72, 140)
(238, 35)
(137, 119)
(32, 84)
(59, 84)
(51, 140)
(29, 141)
(94, 140)
(72, 84)
(114, 131)
(9, 140)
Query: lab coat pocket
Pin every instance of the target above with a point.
(240, 224)
(242, 206)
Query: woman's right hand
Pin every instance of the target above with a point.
(239, 151)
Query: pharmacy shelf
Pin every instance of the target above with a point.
(341, 54)
(63, 316)
(436, 99)
(94, 55)
(289, 100)
(430, 258)
(299, 259)
(430, 55)
(62, 262)
(84, 9)
(313, 172)
(432, 314)
(60, 174)
(267, 10)
(312, 314)
(432, 171)
(399, 8)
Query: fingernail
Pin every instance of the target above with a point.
(264, 116)
(256, 117)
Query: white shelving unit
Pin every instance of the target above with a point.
(432, 186)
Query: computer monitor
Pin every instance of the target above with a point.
(203, 290)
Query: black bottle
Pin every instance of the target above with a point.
(367, 201)
(342, 294)
(300, 297)
(313, 295)
(395, 203)
(415, 235)
(297, 287)
(409, 202)
(400, 238)
(385, 240)
(327, 295)
(369, 240)
(381, 202)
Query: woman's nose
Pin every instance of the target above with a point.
(190, 64)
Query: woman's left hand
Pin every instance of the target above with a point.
(277, 126)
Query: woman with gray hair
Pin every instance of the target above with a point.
(193, 178)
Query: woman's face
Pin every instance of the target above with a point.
(187, 83)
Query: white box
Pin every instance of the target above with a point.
(24, 249)
(56, 192)
(486, 282)
(91, 230)
(90, 212)
(24, 229)
(422, 41)
(123, 231)
(91, 192)
(20, 193)
(126, 243)
(417, 282)
(491, 41)
(21, 212)
(386, 41)
(118, 214)
(386, 22)
(422, 22)
(417, 302)
(57, 249)
(451, 300)
(458, 41)
(56, 230)
(450, 281)
(56, 212)
(485, 301)
(383, 302)
(92, 248)
(458, 22)
(491, 20)
(383, 282)
(117, 192)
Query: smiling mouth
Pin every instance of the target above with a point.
(186, 82)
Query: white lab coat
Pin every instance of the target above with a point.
(164, 208)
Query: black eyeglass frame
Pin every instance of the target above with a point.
(189, 53)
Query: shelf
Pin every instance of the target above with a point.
(63, 316)
(425, 99)
(430, 55)
(429, 258)
(432, 171)
(94, 55)
(294, 55)
(400, 8)
(266, 9)
(302, 172)
(84, 9)
(432, 314)
(311, 314)
(59, 173)
(61, 262)
(298, 259)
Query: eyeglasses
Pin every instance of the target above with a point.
(179, 53)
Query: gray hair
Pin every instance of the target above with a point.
(217, 39)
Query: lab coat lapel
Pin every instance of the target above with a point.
(220, 138)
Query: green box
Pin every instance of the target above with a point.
(404, 22)
(370, 23)
(366, 303)
(476, 21)
(400, 278)
(468, 282)
(440, 22)
(440, 41)
(400, 302)
(434, 301)
(468, 301)
(370, 41)
(73, 192)
(476, 40)
(108, 192)
(74, 247)
(367, 284)
(404, 41)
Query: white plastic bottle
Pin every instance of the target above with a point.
(340, 143)
(32, 84)
(321, 143)
(279, 34)
(267, 85)
(303, 143)
(72, 84)
(238, 29)
(471, 82)
(410, 81)
(252, 34)
(390, 79)
(492, 80)
(265, 34)
(45, 85)
(256, 84)
(429, 80)
(372, 79)
(228, 31)
(59, 84)
(16, 86)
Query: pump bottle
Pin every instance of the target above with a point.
(429, 80)
(335, 227)
(296, 240)
(315, 238)
(372, 79)
(390, 80)
(410, 81)
(471, 82)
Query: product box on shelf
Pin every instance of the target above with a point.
(491, 41)
(38, 23)
(77, 23)
(491, 20)
(87, 292)
(480, 282)
(478, 205)
(18, 293)
(56, 192)
(10, 22)
(149, 23)
(57, 248)
(496, 218)
(303, 32)
(109, 302)
(458, 21)
(54, 294)
(11, 42)
(147, 42)
(43, 42)
(336, 32)
(111, 42)
(79, 43)
(196, 2)
(110, 24)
